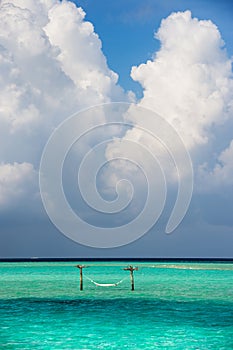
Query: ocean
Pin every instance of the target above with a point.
(174, 306)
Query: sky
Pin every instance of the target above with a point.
(168, 65)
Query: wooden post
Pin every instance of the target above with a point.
(131, 269)
(132, 279)
(80, 267)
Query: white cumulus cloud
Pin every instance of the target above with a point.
(51, 65)
(189, 80)
(189, 83)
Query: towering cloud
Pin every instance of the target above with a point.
(51, 65)
(189, 80)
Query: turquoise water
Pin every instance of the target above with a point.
(174, 306)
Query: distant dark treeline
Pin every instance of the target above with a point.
(118, 259)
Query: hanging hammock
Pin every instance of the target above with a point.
(105, 284)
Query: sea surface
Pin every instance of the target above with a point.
(174, 306)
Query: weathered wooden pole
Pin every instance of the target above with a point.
(80, 267)
(132, 279)
(131, 269)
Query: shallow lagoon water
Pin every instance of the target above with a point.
(174, 306)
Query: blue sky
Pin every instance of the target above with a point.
(127, 28)
(52, 65)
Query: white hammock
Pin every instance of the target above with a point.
(105, 284)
